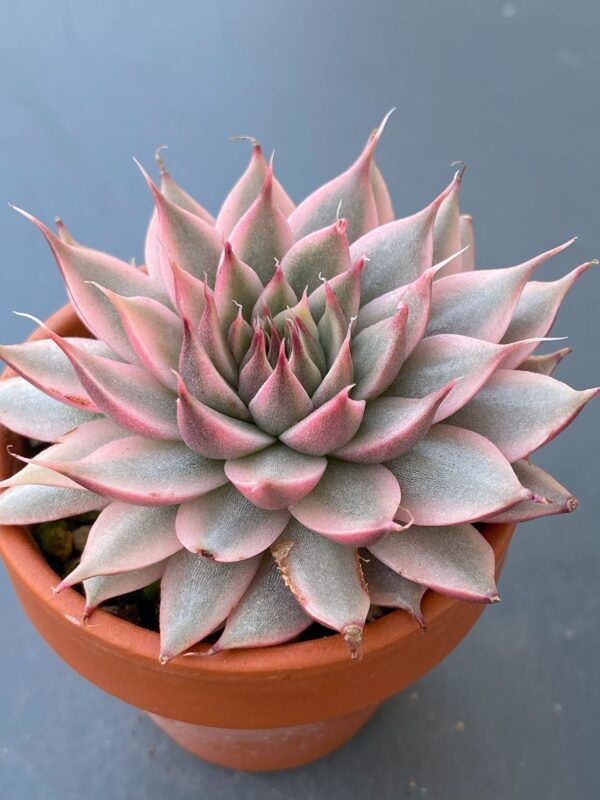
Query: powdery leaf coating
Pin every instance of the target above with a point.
(388, 589)
(558, 500)
(326, 579)
(352, 503)
(481, 303)
(197, 594)
(104, 587)
(30, 412)
(454, 475)
(211, 525)
(277, 380)
(24, 505)
(454, 559)
(267, 614)
(124, 538)
(145, 471)
(521, 411)
(45, 366)
(276, 477)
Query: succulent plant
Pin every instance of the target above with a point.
(295, 413)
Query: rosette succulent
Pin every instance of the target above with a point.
(292, 413)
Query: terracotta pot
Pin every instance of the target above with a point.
(255, 709)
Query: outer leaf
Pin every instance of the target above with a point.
(446, 231)
(330, 426)
(437, 360)
(246, 190)
(75, 445)
(267, 614)
(144, 471)
(538, 307)
(78, 266)
(155, 333)
(326, 579)
(352, 189)
(104, 587)
(226, 526)
(25, 505)
(128, 394)
(559, 499)
(454, 476)
(175, 194)
(197, 594)
(545, 364)
(481, 303)
(454, 560)
(124, 538)
(467, 239)
(26, 410)
(383, 201)
(352, 503)
(399, 252)
(44, 365)
(275, 477)
(388, 589)
(521, 411)
(193, 244)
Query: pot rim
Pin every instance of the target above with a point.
(108, 631)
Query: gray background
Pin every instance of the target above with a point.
(512, 88)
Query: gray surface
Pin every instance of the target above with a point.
(510, 87)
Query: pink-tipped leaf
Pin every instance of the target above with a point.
(267, 614)
(124, 538)
(353, 504)
(322, 253)
(262, 234)
(327, 580)
(392, 426)
(378, 353)
(247, 189)
(455, 560)
(558, 499)
(454, 476)
(388, 589)
(215, 435)
(211, 525)
(276, 477)
(521, 411)
(197, 594)
(352, 189)
(144, 471)
(328, 427)
(481, 303)
(281, 401)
